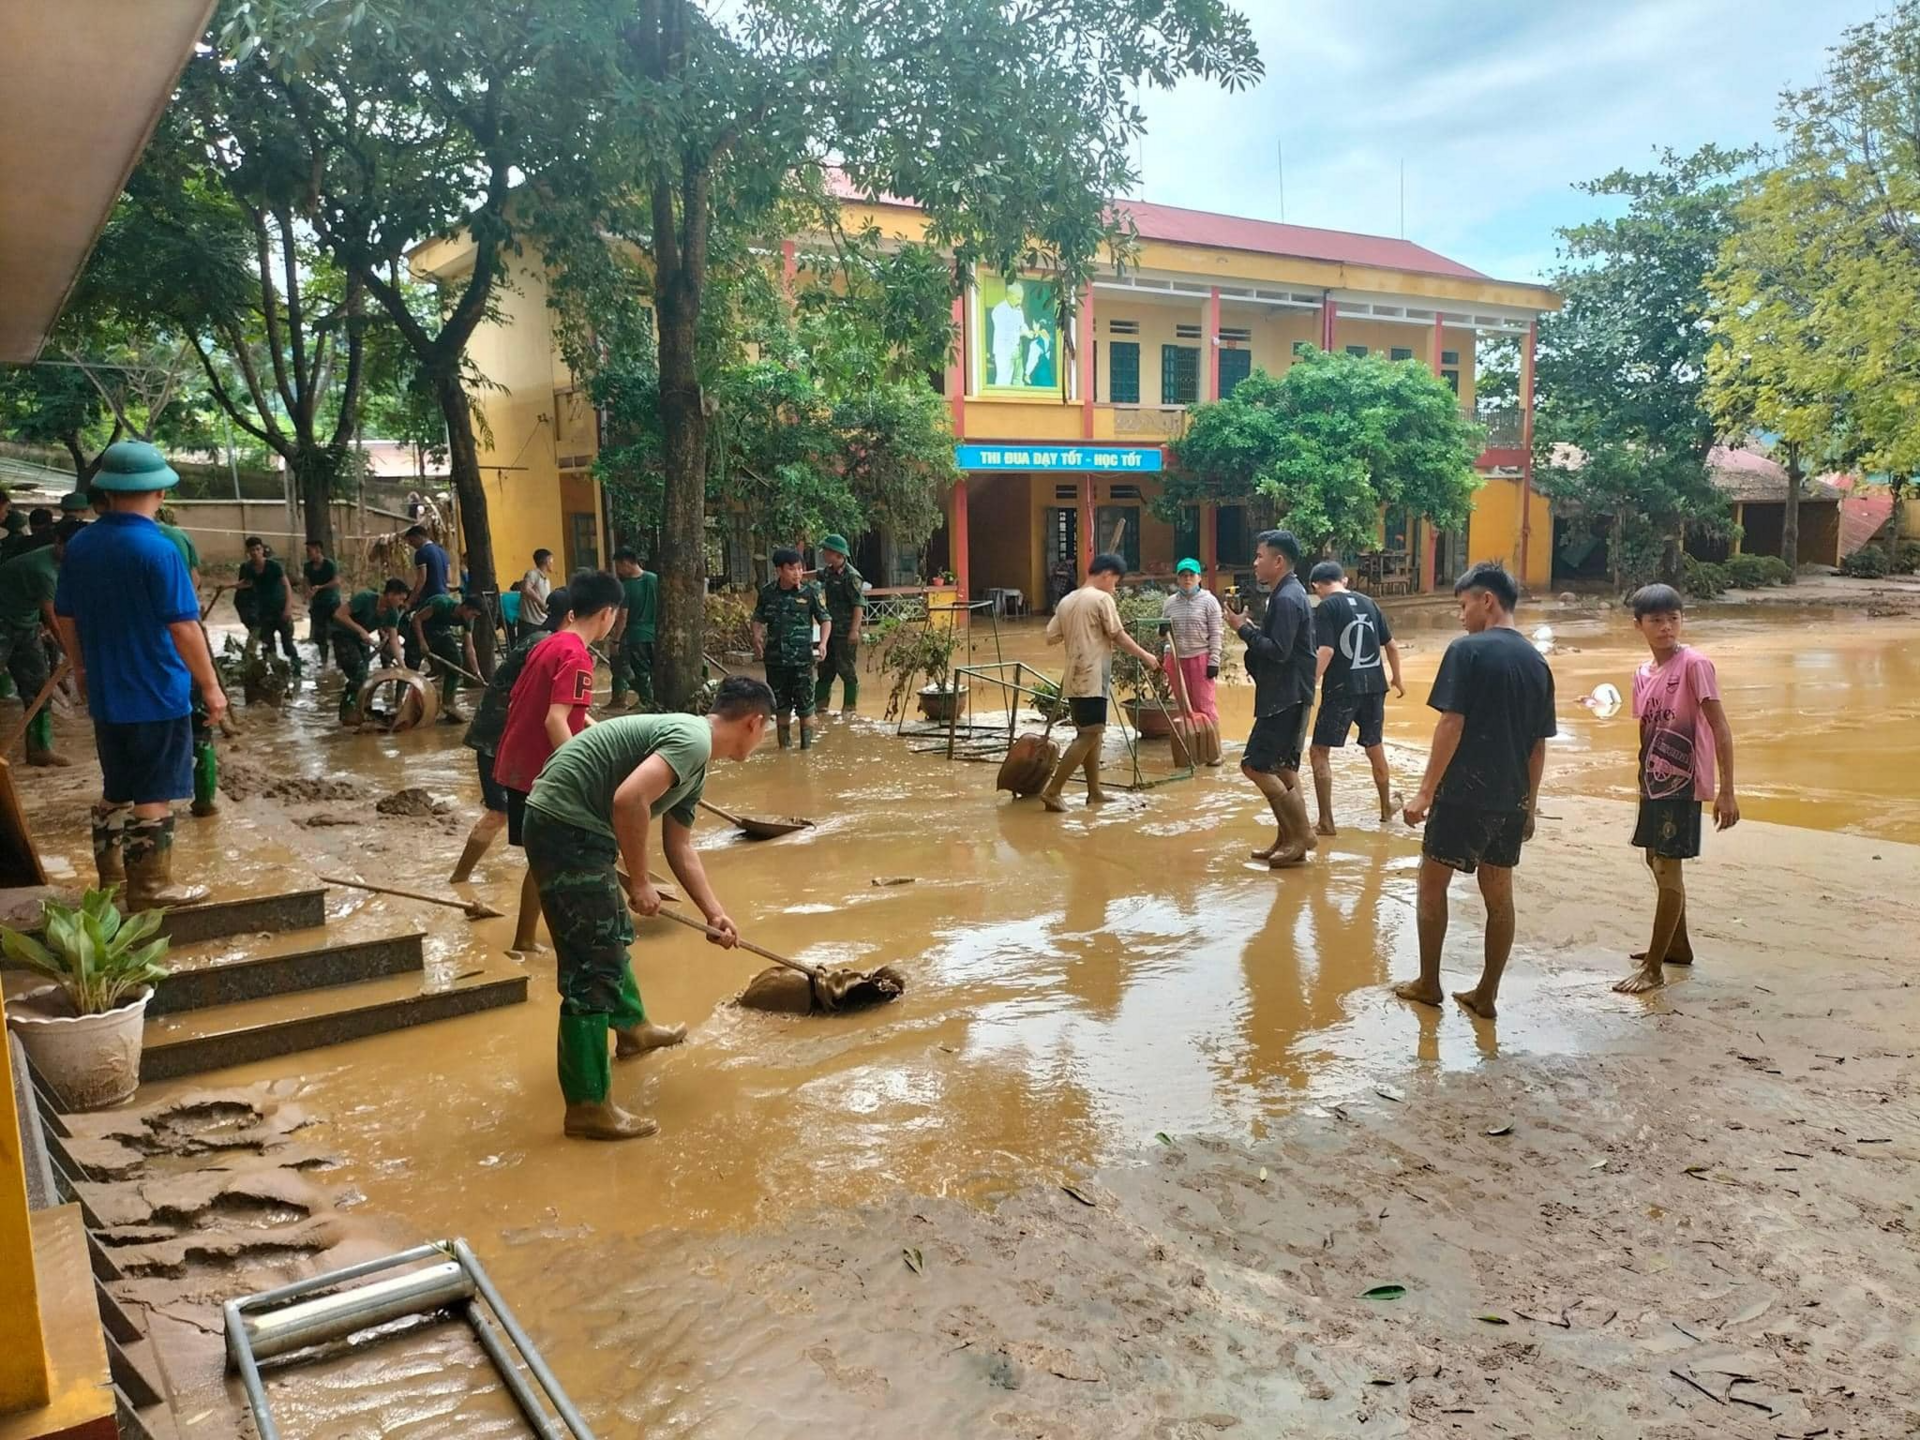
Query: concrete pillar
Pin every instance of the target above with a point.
(1213, 344)
(24, 1383)
(1209, 543)
(1526, 445)
(1083, 360)
(957, 368)
(957, 548)
(1087, 548)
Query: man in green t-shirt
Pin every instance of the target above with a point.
(591, 808)
(182, 541)
(783, 636)
(27, 584)
(632, 638)
(363, 625)
(846, 595)
(267, 599)
(443, 628)
(322, 579)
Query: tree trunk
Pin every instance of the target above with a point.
(1670, 563)
(1790, 518)
(463, 460)
(314, 469)
(683, 540)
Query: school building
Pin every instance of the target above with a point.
(1062, 436)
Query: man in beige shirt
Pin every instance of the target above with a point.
(1087, 622)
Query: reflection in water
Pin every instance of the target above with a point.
(1077, 982)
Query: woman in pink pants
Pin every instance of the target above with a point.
(1197, 631)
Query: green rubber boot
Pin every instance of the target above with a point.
(206, 779)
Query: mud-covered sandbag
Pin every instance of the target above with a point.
(1028, 766)
(788, 992)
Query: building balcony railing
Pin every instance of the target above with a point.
(1506, 429)
(1139, 422)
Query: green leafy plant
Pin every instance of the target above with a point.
(1703, 578)
(98, 956)
(1906, 559)
(1751, 572)
(1049, 702)
(1132, 681)
(907, 649)
(1869, 562)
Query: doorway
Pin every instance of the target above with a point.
(1063, 547)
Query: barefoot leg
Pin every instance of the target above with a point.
(1432, 915)
(1669, 912)
(1383, 781)
(1323, 789)
(527, 929)
(1496, 890)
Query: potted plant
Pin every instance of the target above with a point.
(83, 1032)
(1146, 694)
(1048, 702)
(911, 649)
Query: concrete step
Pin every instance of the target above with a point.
(198, 985)
(248, 915)
(194, 1041)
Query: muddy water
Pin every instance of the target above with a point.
(1077, 983)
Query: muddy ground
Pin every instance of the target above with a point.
(1146, 1128)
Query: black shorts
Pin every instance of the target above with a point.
(1465, 837)
(1276, 740)
(1086, 710)
(1341, 711)
(1669, 828)
(145, 762)
(492, 793)
(516, 815)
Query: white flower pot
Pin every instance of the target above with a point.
(91, 1061)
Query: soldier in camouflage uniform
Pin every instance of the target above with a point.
(443, 627)
(362, 625)
(846, 606)
(783, 624)
(490, 723)
(591, 807)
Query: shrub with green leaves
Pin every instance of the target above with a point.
(93, 952)
(1752, 572)
(1869, 562)
(1703, 578)
(1906, 559)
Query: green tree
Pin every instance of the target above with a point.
(1819, 293)
(57, 405)
(1623, 427)
(1009, 124)
(417, 119)
(1329, 443)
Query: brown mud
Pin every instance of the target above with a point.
(864, 1220)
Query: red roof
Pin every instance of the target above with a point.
(1268, 237)
(1177, 226)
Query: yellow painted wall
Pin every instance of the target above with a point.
(1493, 532)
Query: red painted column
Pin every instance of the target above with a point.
(789, 264)
(1213, 344)
(958, 538)
(1526, 445)
(957, 368)
(1083, 357)
(1209, 544)
(1326, 323)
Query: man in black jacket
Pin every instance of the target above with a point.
(1280, 657)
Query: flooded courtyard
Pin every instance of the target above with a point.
(1118, 1001)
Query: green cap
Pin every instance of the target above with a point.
(1187, 567)
(74, 502)
(133, 466)
(836, 542)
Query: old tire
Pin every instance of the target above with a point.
(416, 702)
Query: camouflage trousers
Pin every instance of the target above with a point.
(353, 655)
(587, 915)
(445, 645)
(792, 687)
(843, 663)
(24, 658)
(633, 670)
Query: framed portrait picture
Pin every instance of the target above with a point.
(1017, 346)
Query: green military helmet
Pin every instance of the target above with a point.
(133, 466)
(836, 542)
(75, 502)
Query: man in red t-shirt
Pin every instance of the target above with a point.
(548, 707)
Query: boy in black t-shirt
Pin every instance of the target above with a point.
(1495, 698)
(1351, 637)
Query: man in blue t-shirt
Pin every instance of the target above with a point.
(130, 620)
(429, 579)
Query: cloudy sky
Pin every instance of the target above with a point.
(1496, 106)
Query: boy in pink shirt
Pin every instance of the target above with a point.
(1685, 746)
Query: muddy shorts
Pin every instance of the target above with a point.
(1340, 711)
(1276, 740)
(492, 793)
(1670, 828)
(793, 691)
(1087, 711)
(1465, 837)
(516, 808)
(145, 761)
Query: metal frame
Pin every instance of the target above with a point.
(296, 1317)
